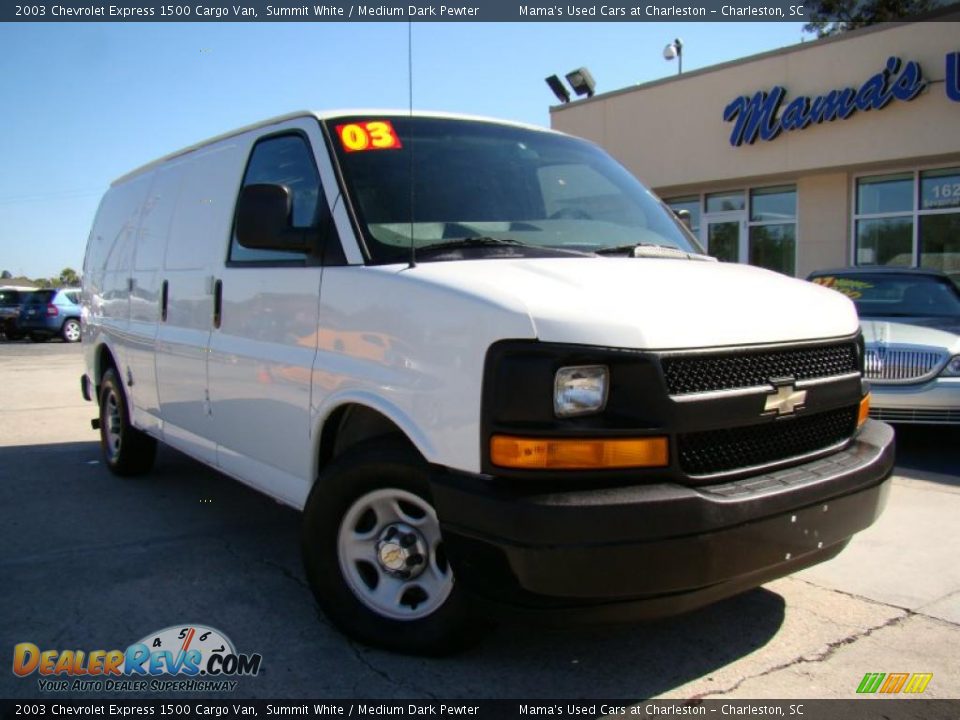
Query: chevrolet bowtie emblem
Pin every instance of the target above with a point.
(784, 400)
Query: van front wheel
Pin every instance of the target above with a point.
(374, 554)
(126, 450)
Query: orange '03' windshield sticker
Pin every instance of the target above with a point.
(368, 135)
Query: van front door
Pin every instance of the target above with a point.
(265, 337)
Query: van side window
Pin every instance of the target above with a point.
(282, 160)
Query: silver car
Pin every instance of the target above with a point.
(911, 326)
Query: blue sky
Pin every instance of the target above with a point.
(83, 103)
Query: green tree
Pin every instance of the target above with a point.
(6, 275)
(68, 276)
(829, 17)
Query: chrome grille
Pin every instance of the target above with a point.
(890, 363)
(925, 416)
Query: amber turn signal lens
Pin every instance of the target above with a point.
(578, 454)
(864, 410)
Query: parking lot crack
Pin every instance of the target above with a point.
(855, 596)
(924, 609)
(829, 651)
(285, 571)
(362, 657)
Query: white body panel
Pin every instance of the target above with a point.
(195, 252)
(653, 304)
(297, 343)
(147, 277)
(413, 348)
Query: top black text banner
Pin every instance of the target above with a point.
(416, 11)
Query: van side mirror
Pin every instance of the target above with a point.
(263, 220)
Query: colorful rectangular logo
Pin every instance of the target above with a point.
(893, 683)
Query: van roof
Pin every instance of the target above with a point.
(320, 115)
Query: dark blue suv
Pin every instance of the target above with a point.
(51, 312)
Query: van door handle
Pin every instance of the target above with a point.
(164, 299)
(217, 303)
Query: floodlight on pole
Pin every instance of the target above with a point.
(558, 89)
(581, 81)
(675, 50)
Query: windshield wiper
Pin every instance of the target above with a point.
(485, 241)
(478, 241)
(652, 250)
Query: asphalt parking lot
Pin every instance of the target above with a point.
(89, 561)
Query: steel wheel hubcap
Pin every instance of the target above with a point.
(73, 332)
(112, 426)
(391, 555)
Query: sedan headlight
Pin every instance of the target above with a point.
(952, 368)
(580, 390)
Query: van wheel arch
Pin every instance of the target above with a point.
(352, 424)
(104, 361)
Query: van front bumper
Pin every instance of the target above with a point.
(656, 549)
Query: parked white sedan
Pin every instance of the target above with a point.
(911, 326)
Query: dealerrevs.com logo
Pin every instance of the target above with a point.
(178, 658)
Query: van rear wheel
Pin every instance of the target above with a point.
(126, 450)
(374, 557)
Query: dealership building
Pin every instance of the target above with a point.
(834, 152)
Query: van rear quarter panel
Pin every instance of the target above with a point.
(151, 241)
(107, 264)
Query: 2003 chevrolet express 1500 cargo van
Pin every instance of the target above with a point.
(489, 366)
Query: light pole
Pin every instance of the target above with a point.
(675, 50)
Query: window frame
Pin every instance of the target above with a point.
(314, 256)
(915, 213)
(745, 213)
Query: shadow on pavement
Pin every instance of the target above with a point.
(90, 561)
(929, 449)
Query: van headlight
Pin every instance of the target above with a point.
(580, 390)
(952, 368)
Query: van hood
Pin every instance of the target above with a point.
(651, 304)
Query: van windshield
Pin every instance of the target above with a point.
(481, 189)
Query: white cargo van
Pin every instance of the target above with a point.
(492, 369)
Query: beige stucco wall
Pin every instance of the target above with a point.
(672, 134)
(823, 211)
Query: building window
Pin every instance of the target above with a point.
(763, 234)
(773, 228)
(725, 201)
(939, 228)
(909, 219)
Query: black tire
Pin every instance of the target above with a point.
(70, 332)
(10, 330)
(382, 466)
(126, 450)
